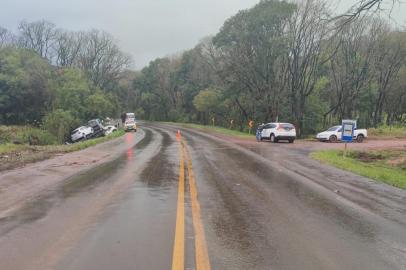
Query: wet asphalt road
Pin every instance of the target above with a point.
(197, 202)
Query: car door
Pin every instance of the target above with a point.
(265, 131)
(339, 133)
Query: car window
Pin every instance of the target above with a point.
(333, 128)
(288, 126)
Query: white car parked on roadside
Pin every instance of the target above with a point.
(81, 133)
(278, 131)
(334, 134)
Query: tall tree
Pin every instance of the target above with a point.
(389, 56)
(308, 32)
(101, 58)
(38, 36)
(250, 46)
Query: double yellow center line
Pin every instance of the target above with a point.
(201, 254)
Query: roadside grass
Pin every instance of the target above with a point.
(26, 135)
(388, 166)
(388, 132)
(220, 130)
(14, 155)
(63, 148)
(8, 147)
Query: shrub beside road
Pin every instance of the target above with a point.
(390, 132)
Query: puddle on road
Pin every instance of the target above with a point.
(159, 174)
(93, 177)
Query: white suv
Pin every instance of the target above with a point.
(81, 133)
(278, 131)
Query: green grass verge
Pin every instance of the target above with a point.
(375, 168)
(8, 147)
(220, 130)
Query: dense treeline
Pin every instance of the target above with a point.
(283, 61)
(280, 60)
(58, 78)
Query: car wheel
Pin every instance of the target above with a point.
(291, 141)
(333, 138)
(360, 138)
(273, 139)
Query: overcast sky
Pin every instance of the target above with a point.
(146, 29)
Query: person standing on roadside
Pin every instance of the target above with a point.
(259, 131)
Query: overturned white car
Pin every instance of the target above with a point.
(81, 133)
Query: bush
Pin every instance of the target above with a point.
(388, 131)
(35, 136)
(26, 135)
(60, 123)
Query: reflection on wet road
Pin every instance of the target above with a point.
(186, 200)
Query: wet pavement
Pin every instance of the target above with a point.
(242, 207)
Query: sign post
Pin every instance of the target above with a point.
(250, 125)
(231, 123)
(347, 135)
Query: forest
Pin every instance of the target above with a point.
(278, 61)
(57, 79)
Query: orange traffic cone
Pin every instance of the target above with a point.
(178, 135)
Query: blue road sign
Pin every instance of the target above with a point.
(348, 130)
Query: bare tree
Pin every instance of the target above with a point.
(349, 68)
(38, 36)
(67, 48)
(389, 56)
(395, 102)
(366, 6)
(101, 58)
(308, 32)
(5, 37)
